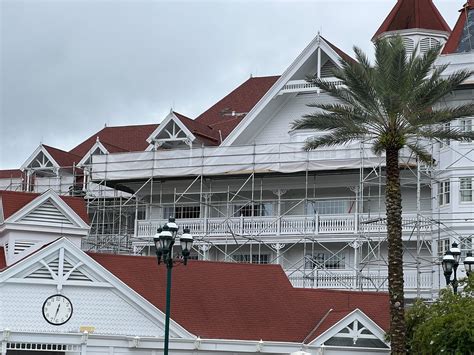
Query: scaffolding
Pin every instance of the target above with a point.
(234, 222)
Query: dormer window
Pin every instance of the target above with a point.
(171, 133)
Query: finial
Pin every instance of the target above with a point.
(97, 139)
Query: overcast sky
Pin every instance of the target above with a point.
(69, 67)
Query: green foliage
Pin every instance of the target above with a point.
(389, 103)
(444, 327)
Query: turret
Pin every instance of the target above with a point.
(418, 22)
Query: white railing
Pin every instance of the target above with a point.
(285, 225)
(301, 86)
(346, 279)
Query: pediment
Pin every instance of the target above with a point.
(40, 160)
(318, 59)
(48, 210)
(171, 133)
(99, 299)
(354, 330)
(97, 149)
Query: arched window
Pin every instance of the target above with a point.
(427, 43)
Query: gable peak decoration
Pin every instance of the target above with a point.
(318, 53)
(170, 133)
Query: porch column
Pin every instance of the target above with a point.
(356, 245)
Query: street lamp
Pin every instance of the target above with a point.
(164, 241)
(451, 262)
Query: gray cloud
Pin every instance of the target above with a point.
(69, 67)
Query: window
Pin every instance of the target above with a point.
(443, 246)
(325, 260)
(428, 43)
(466, 245)
(180, 212)
(466, 125)
(409, 45)
(330, 207)
(445, 142)
(465, 189)
(444, 196)
(255, 259)
(256, 209)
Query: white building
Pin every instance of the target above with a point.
(238, 177)
(57, 299)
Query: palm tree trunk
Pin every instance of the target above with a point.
(393, 201)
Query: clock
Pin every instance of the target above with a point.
(57, 309)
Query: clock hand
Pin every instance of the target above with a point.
(57, 310)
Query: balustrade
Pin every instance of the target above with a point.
(284, 225)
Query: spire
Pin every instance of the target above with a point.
(413, 14)
(462, 37)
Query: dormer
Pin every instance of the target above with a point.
(418, 22)
(47, 160)
(179, 131)
(28, 221)
(97, 149)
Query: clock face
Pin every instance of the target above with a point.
(57, 309)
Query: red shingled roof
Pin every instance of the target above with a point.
(205, 133)
(13, 201)
(118, 139)
(408, 14)
(340, 52)
(453, 40)
(11, 174)
(241, 101)
(64, 159)
(241, 301)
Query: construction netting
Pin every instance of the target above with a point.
(282, 158)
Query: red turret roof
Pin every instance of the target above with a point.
(460, 29)
(408, 14)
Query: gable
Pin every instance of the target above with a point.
(40, 160)
(99, 299)
(171, 133)
(317, 59)
(46, 209)
(47, 213)
(351, 330)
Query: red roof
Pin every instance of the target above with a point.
(11, 174)
(118, 139)
(452, 44)
(64, 159)
(410, 14)
(240, 101)
(241, 301)
(13, 201)
(339, 52)
(205, 133)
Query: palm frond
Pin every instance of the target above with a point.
(448, 114)
(445, 134)
(421, 153)
(336, 137)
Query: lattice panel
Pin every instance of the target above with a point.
(98, 307)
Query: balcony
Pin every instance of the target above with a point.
(288, 226)
(346, 279)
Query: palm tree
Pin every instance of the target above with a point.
(390, 104)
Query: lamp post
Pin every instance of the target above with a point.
(451, 262)
(164, 241)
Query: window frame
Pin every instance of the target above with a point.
(443, 193)
(471, 189)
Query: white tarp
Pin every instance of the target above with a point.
(283, 158)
